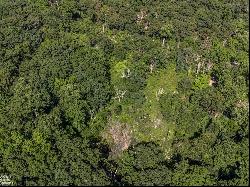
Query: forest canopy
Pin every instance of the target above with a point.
(124, 92)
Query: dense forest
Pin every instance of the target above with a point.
(124, 92)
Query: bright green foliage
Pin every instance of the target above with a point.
(167, 31)
(201, 82)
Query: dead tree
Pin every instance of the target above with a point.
(159, 93)
(152, 66)
(119, 94)
(126, 73)
(52, 2)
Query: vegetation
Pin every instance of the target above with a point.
(124, 92)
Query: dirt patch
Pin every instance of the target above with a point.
(242, 104)
(119, 135)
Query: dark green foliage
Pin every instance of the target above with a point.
(174, 73)
(144, 165)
